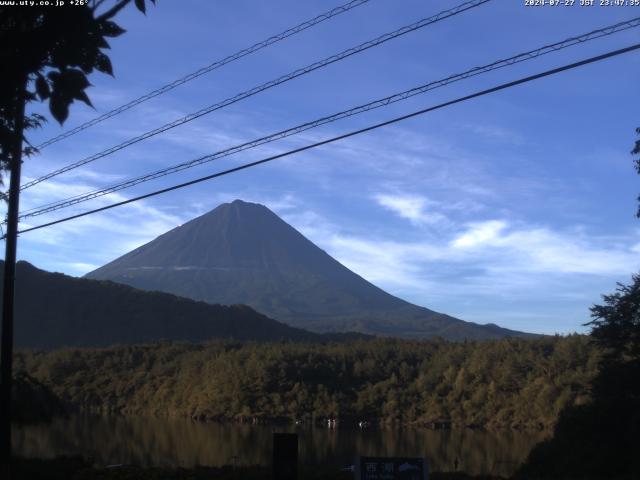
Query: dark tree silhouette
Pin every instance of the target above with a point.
(616, 324)
(46, 53)
(636, 151)
(599, 439)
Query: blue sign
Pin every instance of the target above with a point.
(391, 468)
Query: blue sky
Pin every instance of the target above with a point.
(516, 208)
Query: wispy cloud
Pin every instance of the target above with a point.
(496, 132)
(542, 249)
(94, 239)
(479, 234)
(415, 208)
(470, 269)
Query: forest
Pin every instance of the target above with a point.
(509, 383)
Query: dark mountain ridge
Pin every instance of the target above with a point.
(243, 253)
(55, 310)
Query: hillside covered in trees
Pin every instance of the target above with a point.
(509, 383)
(55, 310)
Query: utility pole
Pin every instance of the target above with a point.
(6, 354)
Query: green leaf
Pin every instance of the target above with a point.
(111, 29)
(59, 108)
(83, 97)
(101, 42)
(74, 80)
(103, 64)
(87, 59)
(141, 6)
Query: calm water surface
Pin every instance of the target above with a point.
(146, 441)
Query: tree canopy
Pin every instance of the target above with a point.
(636, 151)
(510, 383)
(616, 323)
(46, 54)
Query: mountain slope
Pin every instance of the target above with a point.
(243, 253)
(55, 310)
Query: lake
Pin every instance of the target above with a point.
(150, 441)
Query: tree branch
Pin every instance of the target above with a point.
(96, 4)
(113, 10)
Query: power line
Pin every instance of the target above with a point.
(255, 90)
(347, 135)
(599, 33)
(209, 68)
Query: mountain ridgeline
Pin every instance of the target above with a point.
(55, 310)
(243, 253)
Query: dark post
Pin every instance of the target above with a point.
(6, 354)
(285, 456)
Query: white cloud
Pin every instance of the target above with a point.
(479, 233)
(542, 249)
(94, 239)
(476, 269)
(78, 268)
(411, 207)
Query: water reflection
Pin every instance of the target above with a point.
(148, 441)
